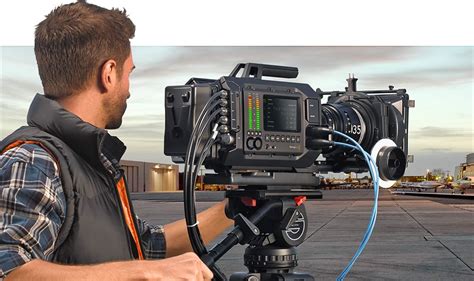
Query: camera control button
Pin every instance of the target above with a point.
(293, 139)
(277, 138)
(170, 98)
(257, 143)
(312, 110)
(272, 138)
(297, 139)
(267, 138)
(287, 138)
(250, 143)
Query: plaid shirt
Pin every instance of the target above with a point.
(33, 209)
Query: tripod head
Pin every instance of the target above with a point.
(270, 217)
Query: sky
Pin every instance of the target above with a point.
(439, 79)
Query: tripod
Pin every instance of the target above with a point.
(272, 221)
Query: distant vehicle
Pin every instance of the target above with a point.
(422, 186)
(336, 183)
(461, 185)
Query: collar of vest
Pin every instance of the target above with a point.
(85, 139)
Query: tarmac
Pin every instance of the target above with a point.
(415, 238)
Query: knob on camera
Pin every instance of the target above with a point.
(391, 161)
(254, 143)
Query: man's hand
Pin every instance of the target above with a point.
(183, 267)
(212, 222)
(187, 266)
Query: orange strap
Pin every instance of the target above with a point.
(20, 142)
(128, 215)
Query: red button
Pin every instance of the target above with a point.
(299, 200)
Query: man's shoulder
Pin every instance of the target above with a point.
(32, 154)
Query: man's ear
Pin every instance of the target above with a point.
(108, 76)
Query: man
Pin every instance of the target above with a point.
(65, 212)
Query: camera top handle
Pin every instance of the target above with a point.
(256, 70)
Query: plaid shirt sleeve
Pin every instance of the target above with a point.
(153, 240)
(32, 206)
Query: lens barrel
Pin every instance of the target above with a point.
(344, 118)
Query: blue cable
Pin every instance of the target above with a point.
(373, 217)
(369, 228)
(374, 174)
(375, 178)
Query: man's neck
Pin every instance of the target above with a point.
(86, 106)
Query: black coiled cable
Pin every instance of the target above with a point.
(189, 196)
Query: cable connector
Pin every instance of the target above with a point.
(318, 131)
(318, 143)
(224, 94)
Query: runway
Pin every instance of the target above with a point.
(415, 238)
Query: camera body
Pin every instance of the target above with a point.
(264, 123)
(266, 137)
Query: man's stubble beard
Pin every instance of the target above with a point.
(115, 112)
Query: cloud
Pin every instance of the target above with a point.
(442, 133)
(192, 61)
(11, 117)
(434, 160)
(437, 139)
(13, 111)
(436, 150)
(430, 67)
(424, 76)
(19, 89)
(151, 130)
(134, 119)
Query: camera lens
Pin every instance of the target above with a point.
(364, 120)
(344, 118)
(354, 118)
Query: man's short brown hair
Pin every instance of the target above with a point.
(73, 43)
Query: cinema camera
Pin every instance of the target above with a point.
(268, 137)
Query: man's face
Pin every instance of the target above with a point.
(116, 105)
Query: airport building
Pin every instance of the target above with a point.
(465, 169)
(150, 177)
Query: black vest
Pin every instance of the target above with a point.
(94, 230)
